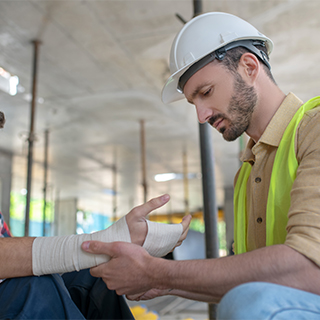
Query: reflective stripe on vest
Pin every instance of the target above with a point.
(282, 177)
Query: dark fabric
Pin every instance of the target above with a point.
(47, 297)
(36, 298)
(94, 299)
(77, 296)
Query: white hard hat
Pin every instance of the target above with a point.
(198, 42)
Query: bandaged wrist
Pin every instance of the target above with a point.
(162, 238)
(64, 254)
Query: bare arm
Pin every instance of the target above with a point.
(153, 293)
(16, 257)
(16, 253)
(132, 271)
(277, 264)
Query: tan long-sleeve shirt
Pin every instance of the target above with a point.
(304, 214)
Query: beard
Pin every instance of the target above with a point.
(240, 110)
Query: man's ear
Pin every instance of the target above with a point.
(249, 67)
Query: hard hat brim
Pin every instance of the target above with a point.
(170, 91)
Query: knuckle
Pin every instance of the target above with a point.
(119, 292)
(135, 210)
(117, 247)
(153, 202)
(110, 285)
(95, 246)
(93, 272)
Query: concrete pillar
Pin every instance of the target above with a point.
(5, 183)
(130, 193)
(228, 215)
(65, 217)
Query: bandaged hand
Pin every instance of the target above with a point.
(64, 254)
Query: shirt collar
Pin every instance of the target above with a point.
(276, 127)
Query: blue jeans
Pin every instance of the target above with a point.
(75, 295)
(260, 300)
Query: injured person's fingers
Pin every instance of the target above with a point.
(162, 238)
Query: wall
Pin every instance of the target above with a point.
(5, 183)
(65, 217)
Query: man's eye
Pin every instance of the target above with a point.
(207, 92)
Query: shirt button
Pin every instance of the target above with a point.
(259, 220)
(257, 180)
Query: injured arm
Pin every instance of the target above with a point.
(46, 255)
(15, 257)
(64, 254)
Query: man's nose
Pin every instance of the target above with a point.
(204, 113)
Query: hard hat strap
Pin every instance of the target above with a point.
(220, 54)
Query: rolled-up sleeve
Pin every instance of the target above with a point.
(304, 214)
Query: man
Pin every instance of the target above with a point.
(219, 63)
(75, 295)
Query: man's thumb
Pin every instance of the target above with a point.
(97, 247)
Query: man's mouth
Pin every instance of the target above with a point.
(217, 123)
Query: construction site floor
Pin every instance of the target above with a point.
(169, 308)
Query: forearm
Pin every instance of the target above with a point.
(191, 296)
(16, 257)
(63, 254)
(214, 277)
(51, 254)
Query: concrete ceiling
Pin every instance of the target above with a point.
(102, 66)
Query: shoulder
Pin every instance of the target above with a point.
(308, 133)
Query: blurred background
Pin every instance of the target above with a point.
(102, 140)
(87, 137)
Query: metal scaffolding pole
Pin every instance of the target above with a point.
(143, 161)
(186, 182)
(209, 200)
(208, 186)
(31, 137)
(115, 191)
(45, 178)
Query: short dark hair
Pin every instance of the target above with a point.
(232, 58)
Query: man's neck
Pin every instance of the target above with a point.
(270, 98)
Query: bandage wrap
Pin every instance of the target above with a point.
(64, 254)
(161, 238)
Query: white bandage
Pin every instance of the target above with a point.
(64, 254)
(161, 238)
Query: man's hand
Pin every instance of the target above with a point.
(185, 224)
(151, 294)
(136, 218)
(128, 271)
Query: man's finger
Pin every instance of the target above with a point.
(186, 222)
(99, 247)
(134, 297)
(151, 205)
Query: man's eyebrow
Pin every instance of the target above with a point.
(196, 92)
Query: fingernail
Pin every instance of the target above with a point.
(165, 197)
(85, 245)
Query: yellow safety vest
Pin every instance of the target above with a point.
(282, 177)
